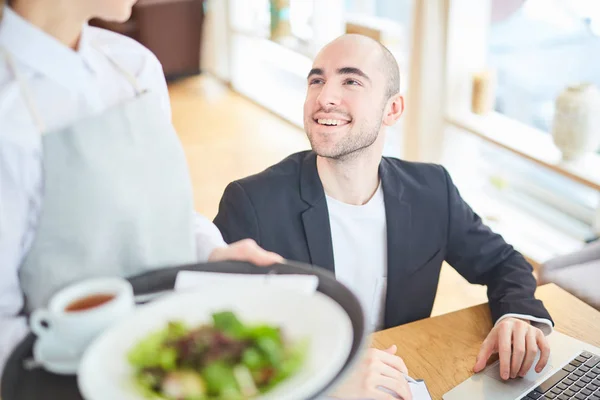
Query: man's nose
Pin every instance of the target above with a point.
(329, 96)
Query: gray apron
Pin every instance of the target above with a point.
(117, 197)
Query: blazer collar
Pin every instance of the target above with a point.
(390, 180)
(311, 188)
(316, 217)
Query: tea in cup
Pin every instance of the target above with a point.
(80, 312)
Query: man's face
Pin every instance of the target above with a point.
(345, 101)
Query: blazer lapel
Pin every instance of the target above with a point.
(399, 243)
(316, 217)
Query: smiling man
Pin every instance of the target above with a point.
(382, 225)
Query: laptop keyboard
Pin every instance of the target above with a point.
(580, 379)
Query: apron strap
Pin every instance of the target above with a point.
(27, 96)
(130, 77)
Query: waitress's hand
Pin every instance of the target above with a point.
(246, 250)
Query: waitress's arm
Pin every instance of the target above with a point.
(208, 237)
(19, 205)
(210, 246)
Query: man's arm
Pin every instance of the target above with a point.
(237, 218)
(483, 257)
(208, 238)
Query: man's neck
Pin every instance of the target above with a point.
(62, 20)
(353, 180)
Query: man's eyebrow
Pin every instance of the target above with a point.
(315, 71)
(353, 71)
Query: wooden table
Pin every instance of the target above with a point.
(442, 350)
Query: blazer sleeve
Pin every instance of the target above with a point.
(482, 256)
(236, 218)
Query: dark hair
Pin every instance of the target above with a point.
(391, 71)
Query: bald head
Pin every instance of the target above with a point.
(391, 71)
(387, 61)
(352, 93)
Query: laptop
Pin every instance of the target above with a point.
(572, 372)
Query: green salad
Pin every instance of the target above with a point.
(223, 360)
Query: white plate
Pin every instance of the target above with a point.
(105, 374)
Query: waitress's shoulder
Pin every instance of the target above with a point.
(129, 53)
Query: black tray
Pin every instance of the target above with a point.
(21, 384)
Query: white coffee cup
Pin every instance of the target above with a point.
(79, 328)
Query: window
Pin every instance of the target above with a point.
(272, 45)
(514, 177)
(250, 17)
(260, 17)
(399, 11)
(540, 212)
(301, 12)
(538, 50)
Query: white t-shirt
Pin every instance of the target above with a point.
(359, 239)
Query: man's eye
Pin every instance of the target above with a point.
(316, 81)
(352, 82)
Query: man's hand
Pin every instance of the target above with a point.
(246, 250)
(517, 343)
(379, 368)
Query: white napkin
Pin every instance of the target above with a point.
(187, 280)
(419, 391)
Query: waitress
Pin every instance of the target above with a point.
(93, 179)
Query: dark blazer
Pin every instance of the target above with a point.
(284, 209)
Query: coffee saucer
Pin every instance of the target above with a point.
(55, 356)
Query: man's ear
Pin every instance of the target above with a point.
(394, 110)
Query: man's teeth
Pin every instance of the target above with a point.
(333, 122)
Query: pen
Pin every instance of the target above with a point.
(409, 379)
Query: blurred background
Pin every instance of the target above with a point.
(501, 92)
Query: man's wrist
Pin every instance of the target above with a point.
(543, 324)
